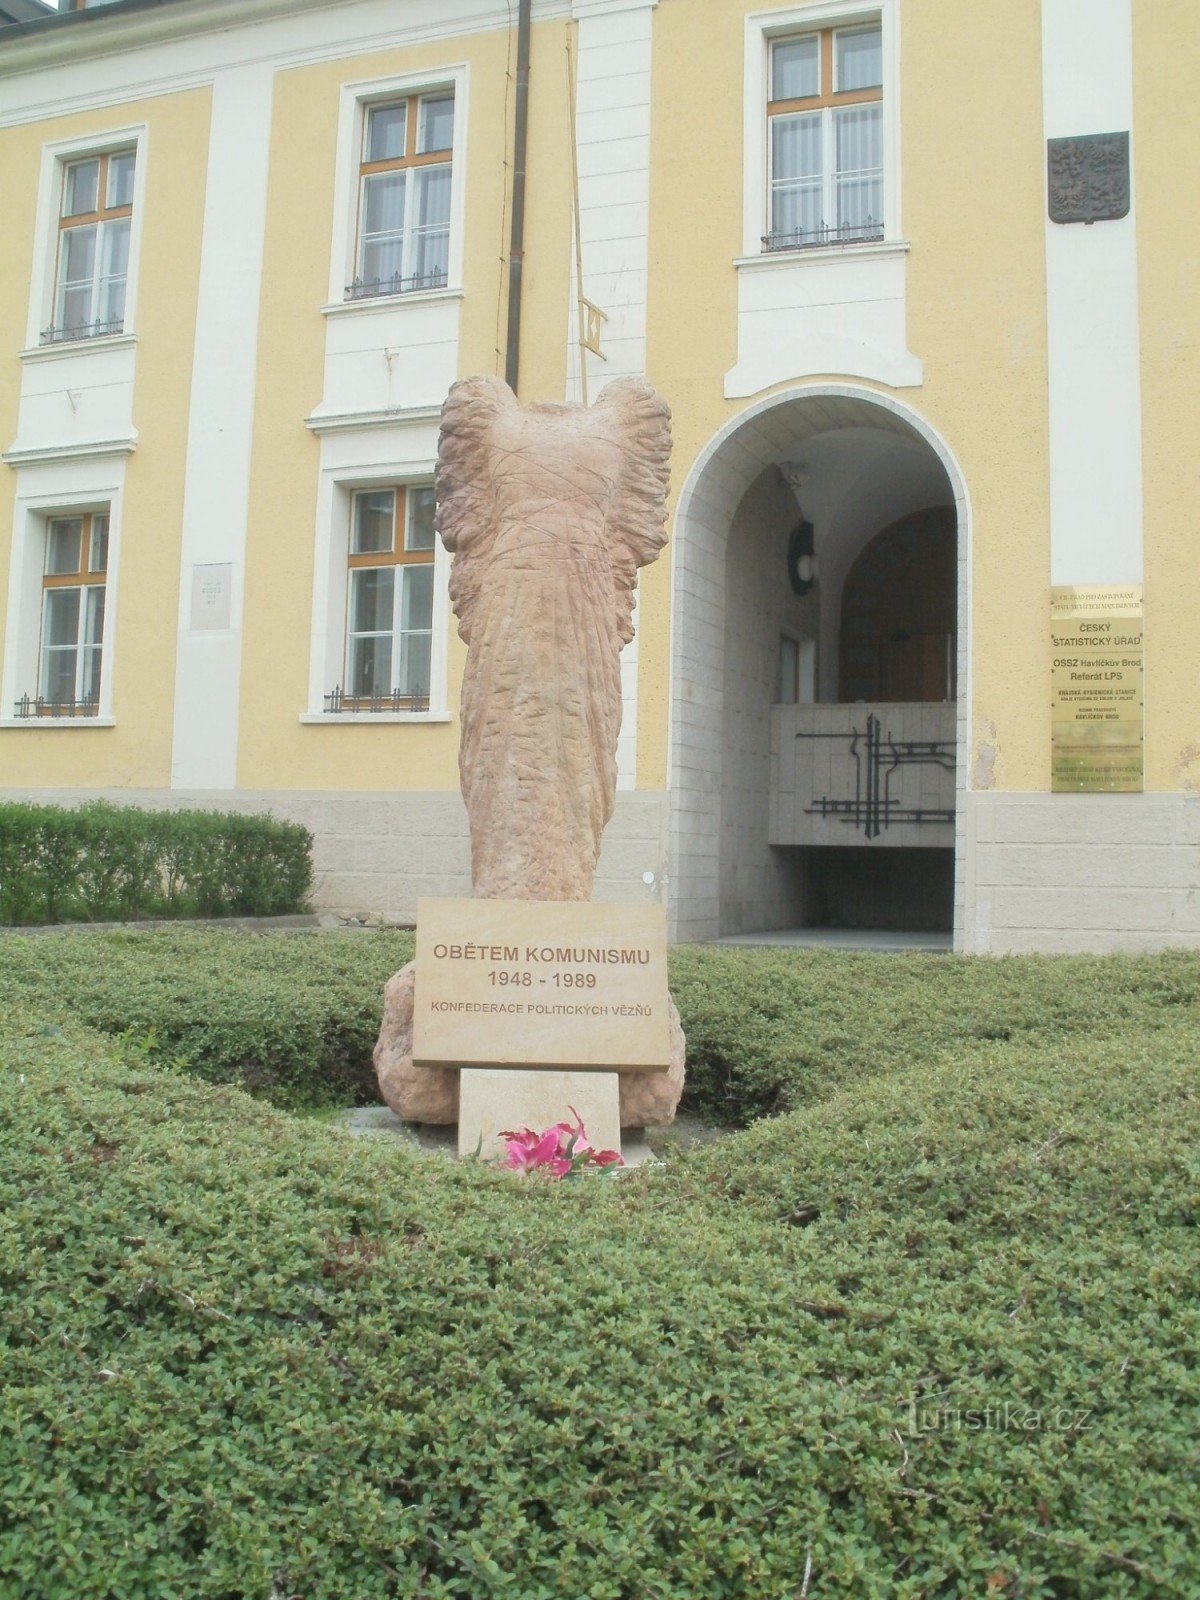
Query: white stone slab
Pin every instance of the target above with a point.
(491, 1102)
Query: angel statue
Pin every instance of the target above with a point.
(549, 510)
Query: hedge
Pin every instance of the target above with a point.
(101, 862)
(294, 1017)
(932, 1336)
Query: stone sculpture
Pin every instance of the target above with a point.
(549, 511)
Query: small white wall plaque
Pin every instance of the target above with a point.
(212, 588)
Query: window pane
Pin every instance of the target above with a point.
(420, 519)
(120, 179)
(58, 675)
(373, 522)
(436, 130)
(382, 263)
(371, 600)
(789, 670)
(383, 203)
(114, 259)
(386, 132)
(61, 622)
(63, 540)
(80, 188)
(79, 254)
(416, 608)
(93, 621)
(98, 552)
(860, 170)
(859, 58)
(431, 262)
(796, 178)
(796, 146)
(114, 248)
(90, 685)
(371, 666)
(414, 665)
(433, 197)
(796, 68)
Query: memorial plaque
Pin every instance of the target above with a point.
(558, 984)
(1096, 690)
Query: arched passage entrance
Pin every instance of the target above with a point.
(795, 800)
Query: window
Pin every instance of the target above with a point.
(403, 236)
(389, 602)
(92, 271)
(70, 653)
(797, 671)
(825, 138)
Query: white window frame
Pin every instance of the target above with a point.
(331, 589)
(360, 561)
(56, 157)
(762, 29)
(36, 508)
(356, 100)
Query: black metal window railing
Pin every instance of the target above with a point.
(81, 330)
(369, 288)
(833, 233)
(32, 706)
(338, 700)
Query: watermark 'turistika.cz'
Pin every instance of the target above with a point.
(935, 1414)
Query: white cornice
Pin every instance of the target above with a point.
(239, 33)
(341, 421)
(27, 457)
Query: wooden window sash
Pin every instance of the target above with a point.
(826, 95)
(397, 556)
(410, 158)
(104, 213)
(84, 575)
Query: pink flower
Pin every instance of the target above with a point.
(560, 1151)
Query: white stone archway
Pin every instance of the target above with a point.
(773, 431)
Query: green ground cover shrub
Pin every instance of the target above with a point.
(294, 1017)
(100, 862)
(290, 1017)
(771, 1029)
(244, 1355)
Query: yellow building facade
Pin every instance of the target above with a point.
(910, 275)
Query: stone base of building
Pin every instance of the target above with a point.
(1079, 873)
(1034, 872)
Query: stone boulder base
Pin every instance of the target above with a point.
(430, 1094)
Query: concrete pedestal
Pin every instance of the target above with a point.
(493, 1099)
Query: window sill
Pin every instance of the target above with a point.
(333, 719)
(58, 722)
(74, 347)
(389, 302)
(867, 250)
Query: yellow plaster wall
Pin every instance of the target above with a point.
(971, 153)
(275, 750)
(137, 752)
(1165, 163)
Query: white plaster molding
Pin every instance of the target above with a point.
(363, 719)
(1092, 327)
(69, 452)
(319, 422)
(220, 425)
(71, 349)
(139, 55)
(352, 308)
(715, 483)
(39, 723)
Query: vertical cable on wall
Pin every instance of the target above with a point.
(516, 254)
